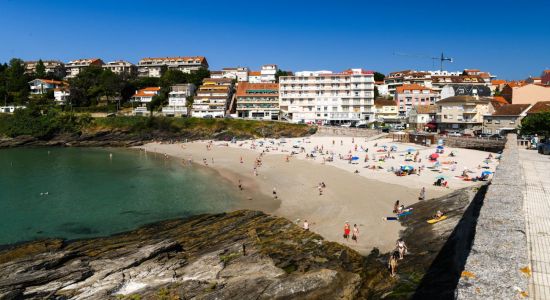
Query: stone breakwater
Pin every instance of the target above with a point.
(499, 252)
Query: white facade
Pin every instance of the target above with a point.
(177, 99)
(152, 67)
(212, 98)
(120, 67)
(239, 73)
(326, 97)
(61, 96)
(265, 75)
(42, 86)
(74, 67)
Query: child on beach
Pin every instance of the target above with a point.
(401, 248)
(355, 233)
(392, 263)
(306, 225)
(346, 231)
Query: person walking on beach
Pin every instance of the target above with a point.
(346, 231)
(401, 248)
(355, 233)
(241, 159)
(306, 225)
(240, 185)
(396, 206)
(392, 263)
(422, 195)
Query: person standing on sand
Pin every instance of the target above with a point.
(306, 225)
(422, 195)
(240, 185)
(392, 263)
(355, 233)
(346, 231)
(401, 247)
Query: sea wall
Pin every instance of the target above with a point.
(345, 131)
(492, 145)
(499, 250)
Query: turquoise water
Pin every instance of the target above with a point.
(89, 194)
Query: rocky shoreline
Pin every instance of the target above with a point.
(243, 255)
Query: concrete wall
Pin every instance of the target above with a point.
(499, 248)
(343, 131)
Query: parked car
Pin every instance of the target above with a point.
(454, 133)
(386, 129)
(544, 147)
(208, 116)
(496, 136)
(399, 127)
(348, 125)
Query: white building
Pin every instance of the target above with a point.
(327, 97)
(121, 67)
(152, 67)
(74, 67)
(177, 99)
(213, 98)
(61, 95)
(239, 73)
(265, 75)
(42, 86)
(142, 97)
(53, 67)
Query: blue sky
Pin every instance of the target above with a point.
(508, 38)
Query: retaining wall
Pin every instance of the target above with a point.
(343, 131)
(499, 250)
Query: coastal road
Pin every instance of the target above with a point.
(536, 170)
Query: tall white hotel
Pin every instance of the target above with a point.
(327, 97)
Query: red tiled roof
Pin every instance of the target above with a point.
(411, 87)
(254, 73)
(498, 81)
(500, 99)
(511, 110)
(51, 81)
(540, 106)
(193, 58)
(384, 102)
(244, 87)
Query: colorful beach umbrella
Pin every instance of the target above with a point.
(410, 149)
(355, 158)
(485, 173)
(440, 147)
(434, 155)
(407, 168)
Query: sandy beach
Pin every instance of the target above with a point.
(354, 192)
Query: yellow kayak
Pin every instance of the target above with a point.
(433, 221)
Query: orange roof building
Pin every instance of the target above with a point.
(258, 101)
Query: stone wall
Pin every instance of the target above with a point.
(499, 249)
(475, 143)
(344, 131)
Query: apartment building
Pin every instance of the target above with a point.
(177, 99)
(327, 97)
(265, 75)
(142, 97)
(238, 74)
(525, 93)
(74, 67)
(463, 113)
(385, 110)
(53, 67)
(42, 86)
(422, 117)
(505, 119)
(153, 66)
(213, 98)
(400, 78)
(409, 95)
(121, 67)
(258, 101)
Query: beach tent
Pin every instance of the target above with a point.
(411, 149)
(407, 168)
(393, 148)
(355, 158)
(486, 173)
(440, 147)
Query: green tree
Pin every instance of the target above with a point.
(376, 92)
(197, 76)
(538, 123)
(379, 76)
(172, 77)
(17, 82)
(40, 69)
(280, 73)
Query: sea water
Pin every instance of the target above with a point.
(87, 192)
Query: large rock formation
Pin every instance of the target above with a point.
(239, 255)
